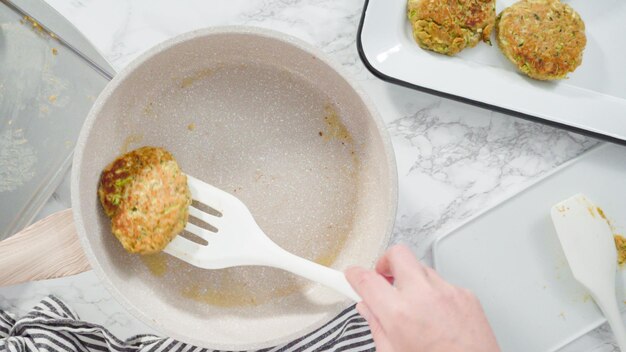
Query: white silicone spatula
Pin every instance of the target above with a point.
(237, 240)
(587, 241)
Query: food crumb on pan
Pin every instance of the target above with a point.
(217, 297)
(148, 110)
(191, 126)
(335, 129)
(231, 293)
(55, 51)
(189, 80)
(52, 98)
(156, 263)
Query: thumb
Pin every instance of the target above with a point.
(380, 338)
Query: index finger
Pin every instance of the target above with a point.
(402, 264)
(375, 291)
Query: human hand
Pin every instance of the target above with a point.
(422, 313)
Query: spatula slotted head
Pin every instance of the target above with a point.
(587, 240)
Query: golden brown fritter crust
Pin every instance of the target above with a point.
(146, 195)
(118, 174)
(545, 39)
(449, 26)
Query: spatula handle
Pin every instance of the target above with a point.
(608, 305)
(45, 250)
(324, 275)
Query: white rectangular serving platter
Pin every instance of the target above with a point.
(510, 256)
(592, 100)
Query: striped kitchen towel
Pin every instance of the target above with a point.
(53, 326)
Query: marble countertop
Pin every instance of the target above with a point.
(454, 160)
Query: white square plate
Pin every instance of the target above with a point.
(591, 101)
(511, 258)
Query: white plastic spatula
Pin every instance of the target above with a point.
(237, 240)
(587, 241)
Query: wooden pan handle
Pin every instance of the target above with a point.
(45, 250)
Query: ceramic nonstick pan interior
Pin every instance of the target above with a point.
(271, 120)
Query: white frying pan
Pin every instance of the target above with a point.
(263, 116)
